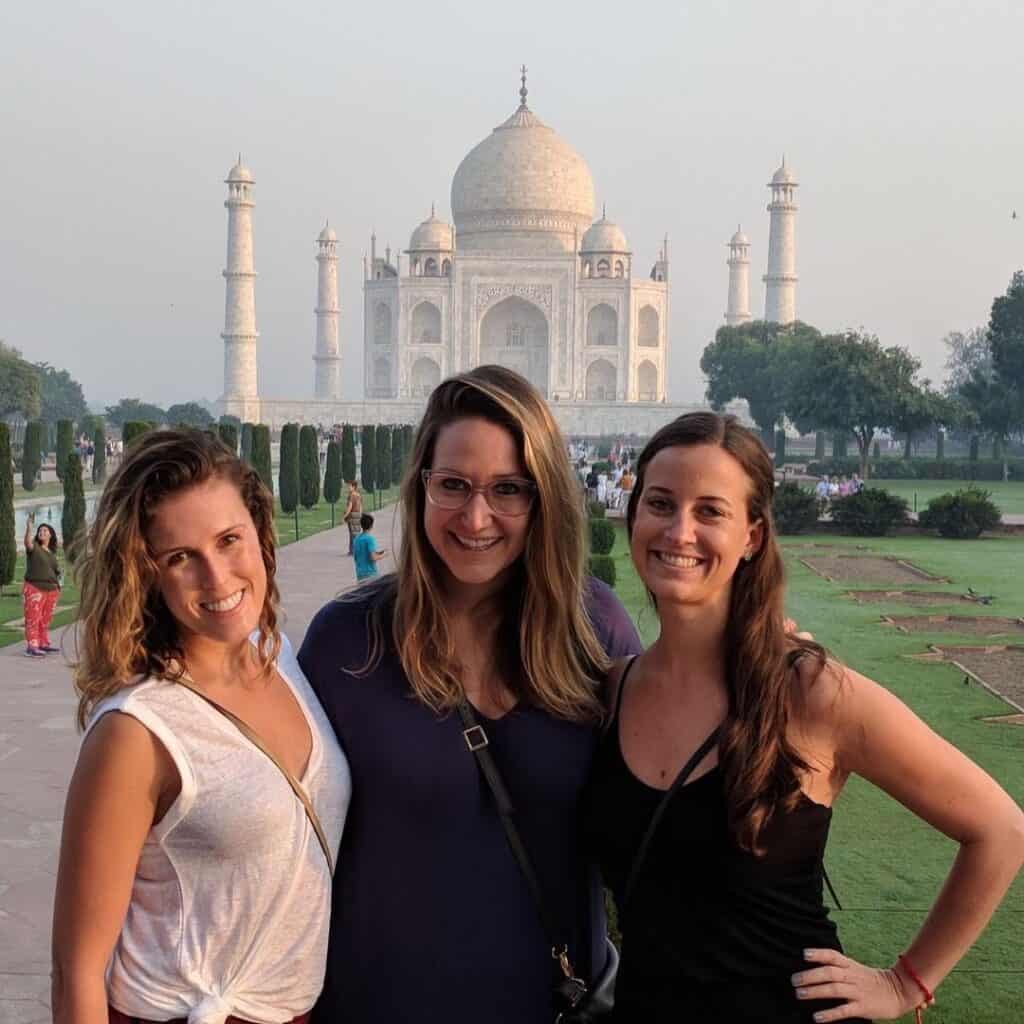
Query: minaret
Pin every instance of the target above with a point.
(739, 279)
(240, 334)
(780, 294)
(327, 383)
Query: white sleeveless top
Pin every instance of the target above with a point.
(231, 900)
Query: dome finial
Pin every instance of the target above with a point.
(432, 214)
(604, 211)
(523, 90)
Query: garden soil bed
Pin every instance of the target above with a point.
(922, 598)
(867, 569)
(966, 625)
(1000, 668)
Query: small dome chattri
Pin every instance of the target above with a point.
(604, 236)
(432, 235)
(739, 238)
(240, 172)
(327, 235)
(784, 175)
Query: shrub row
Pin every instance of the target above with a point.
(921, 469)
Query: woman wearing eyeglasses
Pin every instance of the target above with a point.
(433, 920)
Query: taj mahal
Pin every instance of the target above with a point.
(525, 277)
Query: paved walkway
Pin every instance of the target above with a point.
(38, 747)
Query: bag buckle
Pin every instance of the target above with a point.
(475, 737)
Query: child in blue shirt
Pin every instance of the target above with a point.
(364, 550)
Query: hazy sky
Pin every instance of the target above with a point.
(902, 120)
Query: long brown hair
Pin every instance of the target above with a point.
(550, 654)
(760, 766)
(125, 630)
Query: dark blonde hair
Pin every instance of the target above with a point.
(760, 766)
(125, 630)
(546, 642)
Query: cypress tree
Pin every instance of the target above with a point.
(780, 447)
(32, 454)
(246, 450)
(8, 542)
(397, 459)
(65, 445)
(99, 453)
(333, 474)
(940, 445)
(309, 467)
(407, 445)
(975, 443)
(132, 429)
(368, 470)
(72, 519)
(261, 455)
(228, 433)
(819, 446)
(383, 457)
(839, 445)
(348, 453)
(288, 468)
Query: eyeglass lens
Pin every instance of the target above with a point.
(508, 497)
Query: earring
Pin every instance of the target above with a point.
(748, 556)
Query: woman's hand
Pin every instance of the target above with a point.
(869, 992)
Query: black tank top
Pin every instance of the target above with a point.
(711, 933)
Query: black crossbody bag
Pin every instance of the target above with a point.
(572, 1000)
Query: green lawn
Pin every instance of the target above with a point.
(51, 489)
(887, 865)
(1008, 496)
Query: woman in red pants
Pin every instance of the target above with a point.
(41, 589)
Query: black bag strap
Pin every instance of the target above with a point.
(479, 745)
(645, 844)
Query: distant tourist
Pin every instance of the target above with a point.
(712, 790)
(195, 871)
(41, 587)
(856, 484)
(845, 487)
(365, 551)
(833, 487)
(821, 489)
(592, 482)
(353, 512)
(489, 619)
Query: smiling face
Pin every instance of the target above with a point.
(692, 528)
(476, 545)
(43, 536)
(211, 572)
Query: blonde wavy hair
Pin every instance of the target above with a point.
(546, 642)
(125, 630)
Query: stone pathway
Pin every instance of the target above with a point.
(39, 744)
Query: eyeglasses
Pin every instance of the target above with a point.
(511, 496)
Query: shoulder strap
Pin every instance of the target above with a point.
(621, 690)
(255, 740)
(478, 744)
(680, 780)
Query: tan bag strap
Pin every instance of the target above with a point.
(255, 740)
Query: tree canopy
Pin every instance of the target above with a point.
(849, 383)
(132, 409)
(191, 414)
(754, 362)
(61, 396)
(19, 384)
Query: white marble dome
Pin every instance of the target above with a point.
(240, 172)
(327, 235)
(604, 236)
(739, 238)
(432, 235)
(522, 189)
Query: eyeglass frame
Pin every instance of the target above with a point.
(531, 486)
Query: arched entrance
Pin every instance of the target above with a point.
(600, 381)
(426, 375)
(514, 333)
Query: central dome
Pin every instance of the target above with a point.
(523, 189)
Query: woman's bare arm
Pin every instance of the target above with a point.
(881, 739)
(123, 780)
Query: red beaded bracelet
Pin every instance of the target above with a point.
(929, 998)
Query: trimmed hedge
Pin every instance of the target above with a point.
(332, 475)
(8, 542)
(871, 512)
(228, 433)
(288, 468)
(72, 517)
(32, 454)
(261, 457)
(133, 429)
(795, 509)
(309, 467)
(921, 469)
(348, 454)
(99, 453)
(963, 515)
(602, 536)
(245, 449)
(603, 568)
(595, 510)
(780, 448)
(65, 445)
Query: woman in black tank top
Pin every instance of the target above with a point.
(710, 798)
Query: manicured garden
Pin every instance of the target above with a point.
(1008, 496)
(885, 864)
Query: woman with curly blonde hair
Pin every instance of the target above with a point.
(491, 615)
(209, 797)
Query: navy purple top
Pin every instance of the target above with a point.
(431, 918)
